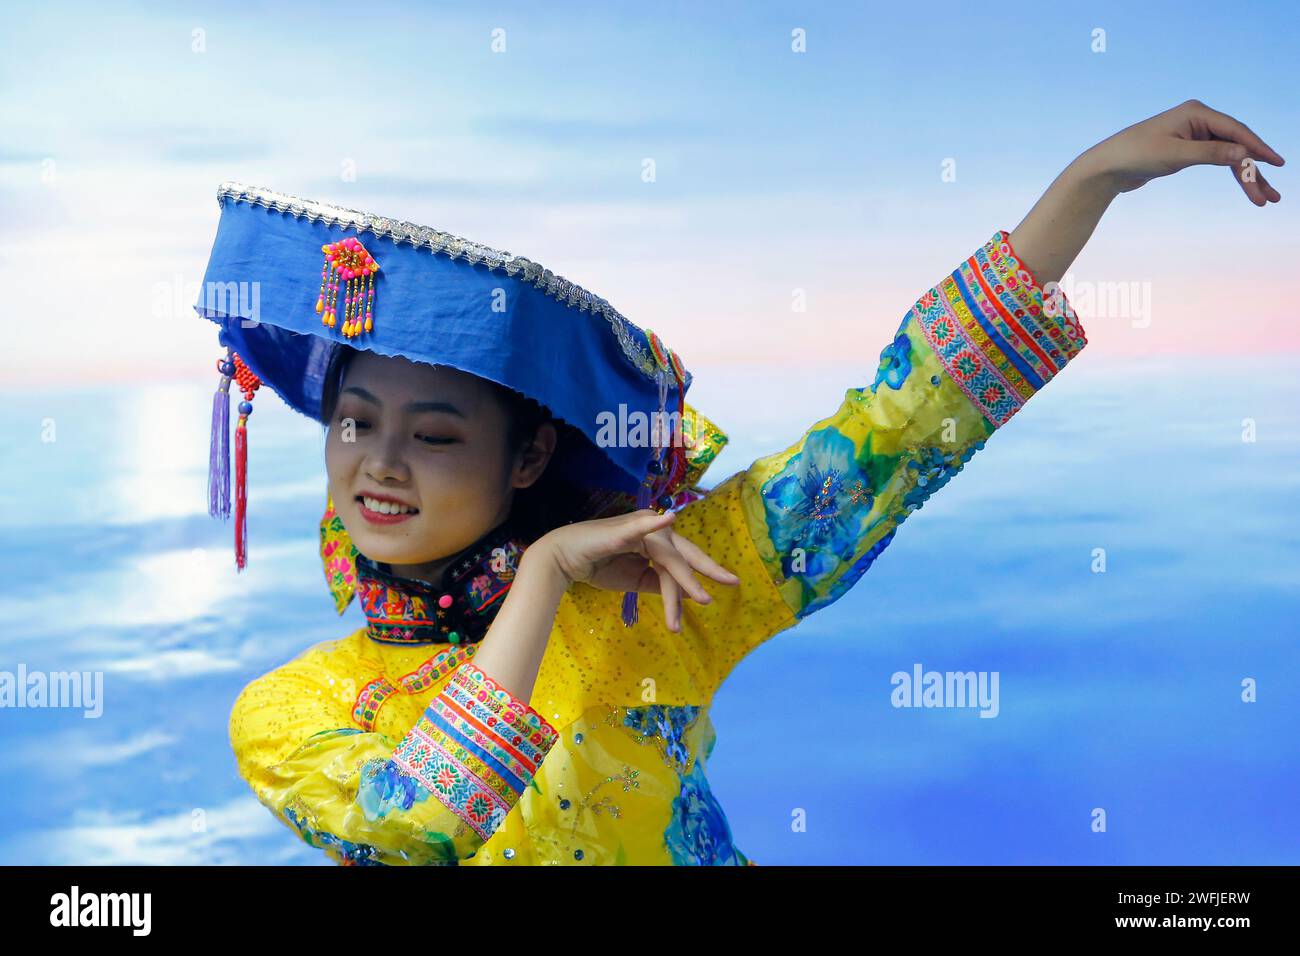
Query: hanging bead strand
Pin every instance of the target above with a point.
(320, 298)
(347, 308)
(370, 298)
(248, 384)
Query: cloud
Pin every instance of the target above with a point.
(238, 832)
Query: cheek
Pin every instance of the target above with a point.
(466, 484)
(340, 459)
(446, 481)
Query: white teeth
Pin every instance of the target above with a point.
(386, 507)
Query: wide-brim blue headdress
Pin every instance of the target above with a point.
(290, 280)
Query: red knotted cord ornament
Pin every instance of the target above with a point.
(248, 384)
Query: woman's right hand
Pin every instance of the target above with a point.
(637, 551)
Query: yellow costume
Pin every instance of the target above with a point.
(384, 753)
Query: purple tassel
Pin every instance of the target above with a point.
(219, 454)
(629, 608)
(644, 495)
(629, 597)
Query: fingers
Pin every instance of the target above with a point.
(675, 559)
(643, 523)
(1238, 146)
(672, 596)
(1226, 127)
(632, 572)
(670, 559)
(702, 562)
(1254, 185)
(1209, 152)
(1215, 152)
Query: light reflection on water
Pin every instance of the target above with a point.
(1119, 691)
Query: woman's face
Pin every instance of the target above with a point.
(429, 443)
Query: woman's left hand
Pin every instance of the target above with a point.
(1190, 134)
(638, 551)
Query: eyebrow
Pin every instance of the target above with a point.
(411, 406)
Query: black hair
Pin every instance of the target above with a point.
(548, 503)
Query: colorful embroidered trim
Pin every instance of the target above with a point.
(371, 698)
(365, 712)
(989, 329)
(435, 668)
(474, 695)
(338, 556)
(476, 747)
(395, 616)
(406, 611)
(1062, 324)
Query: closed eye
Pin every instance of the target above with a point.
(432, 440)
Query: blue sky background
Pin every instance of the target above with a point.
(775, 171)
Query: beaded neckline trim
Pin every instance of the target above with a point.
(457, 610)
(426, 237)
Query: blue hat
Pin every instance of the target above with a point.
(289, 280)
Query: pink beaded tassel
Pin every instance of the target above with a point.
(348, 260)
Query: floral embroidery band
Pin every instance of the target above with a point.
(476, 748)
(990, 329)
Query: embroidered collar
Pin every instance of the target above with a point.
(402, 610)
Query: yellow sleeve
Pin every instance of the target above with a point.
(433, 797)
(807, 522)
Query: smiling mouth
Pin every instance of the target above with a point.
(387, 508)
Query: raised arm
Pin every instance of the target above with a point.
(1051, 236)
(801, 526)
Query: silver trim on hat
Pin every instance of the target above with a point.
(425, 237)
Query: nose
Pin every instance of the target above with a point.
(384, 459)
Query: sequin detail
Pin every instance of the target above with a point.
(667, 727)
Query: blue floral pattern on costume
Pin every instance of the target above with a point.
(350, 854)
(850, 577)
(666, 723)
(818, 508)
(383, 787)
(698, 833)
(895, 363)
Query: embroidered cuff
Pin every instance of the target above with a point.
(996, 332)
(476, 747)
